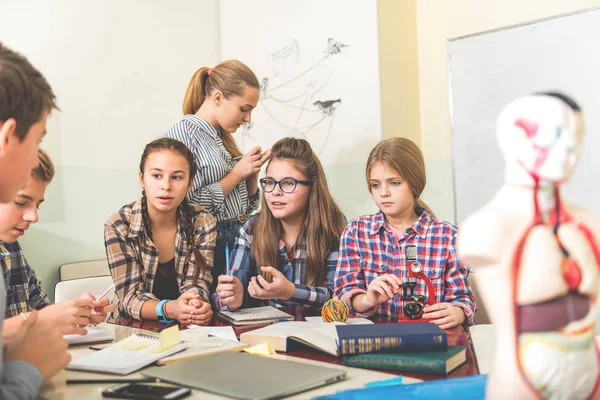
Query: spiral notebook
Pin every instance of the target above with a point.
(132, 353)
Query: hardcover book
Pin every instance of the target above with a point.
(431, 362)
(391, 337)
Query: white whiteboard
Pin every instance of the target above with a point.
(308, 54)
(489, 70)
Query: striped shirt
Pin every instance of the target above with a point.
(368, 249)
(133, 257)
(243, 266)
(214, 162)
(23, 288)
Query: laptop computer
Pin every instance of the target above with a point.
(245, 376)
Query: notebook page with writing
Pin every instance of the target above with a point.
(131, 354)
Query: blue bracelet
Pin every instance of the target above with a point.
(160, 312)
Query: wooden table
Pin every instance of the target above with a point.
(56, 388)
(456, 336)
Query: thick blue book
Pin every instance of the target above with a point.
(394, 337)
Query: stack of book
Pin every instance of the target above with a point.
(414, 347)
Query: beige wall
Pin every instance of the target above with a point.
(437, 22)
(399, 69)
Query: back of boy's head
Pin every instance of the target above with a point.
(44, 171)
(25, 95)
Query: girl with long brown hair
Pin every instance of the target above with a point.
(286, 254)
(217, 102)
(376, 251)
(160, 248)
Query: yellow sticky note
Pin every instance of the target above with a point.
(263, 349)
(168, 338)
(132, 343)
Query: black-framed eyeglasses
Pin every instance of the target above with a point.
(287, 185)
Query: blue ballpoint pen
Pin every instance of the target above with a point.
(227, 268)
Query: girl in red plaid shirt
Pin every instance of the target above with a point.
(372, 264)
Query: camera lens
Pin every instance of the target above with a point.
(413, 310)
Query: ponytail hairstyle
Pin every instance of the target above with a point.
(231, 77)
(323, 221)
(403, 156)
(185, 212)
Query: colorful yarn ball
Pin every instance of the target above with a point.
(335, 310)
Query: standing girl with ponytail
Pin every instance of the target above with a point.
(374, 249)
(160, 248)
(217, 102)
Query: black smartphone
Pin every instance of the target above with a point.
(146, 392)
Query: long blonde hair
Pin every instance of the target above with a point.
(323, 221)
(403, 156)
(231, 77)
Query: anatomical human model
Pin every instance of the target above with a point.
(536, 258)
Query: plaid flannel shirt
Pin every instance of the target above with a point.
(23, 288)
(369, 249)
(243, 266)
(133, 257)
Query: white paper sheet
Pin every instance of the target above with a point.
(225, 332)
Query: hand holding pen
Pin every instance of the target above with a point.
(70, 316)
(230, 289)
(102, 306)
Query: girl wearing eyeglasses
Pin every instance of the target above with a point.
(292, 258)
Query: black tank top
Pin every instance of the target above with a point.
(165, 281)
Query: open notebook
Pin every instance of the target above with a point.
(320, 336)
(313, 332)
(132, 353)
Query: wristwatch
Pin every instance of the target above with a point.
(160, 312)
